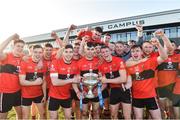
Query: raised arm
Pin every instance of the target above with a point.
(4, 44)
(140, 37)
(167, 43)
(66, 37)
(162, 52)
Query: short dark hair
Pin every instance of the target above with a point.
(112, 43)
(30, 46)
(19, 41)
(133, 41)
(104, 47)
(119, 42)
(48, 45)
(146, 42)
(136, 46)
(107, 34)
(76, 44)
(90, 44)
(172, 41)
(37, 46)
(99, 29)
(68, 46)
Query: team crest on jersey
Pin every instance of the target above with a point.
(52, 68)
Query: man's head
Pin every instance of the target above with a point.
(126, 48)
(96, 33)
(68, 53)
(30, 49)
(106, 53)
(148, 48)
(18, 46)
(131, 43)
(107, 37)
(37, 53)
(97, 49)
(89, 50)
(174, 46)
(119, 47)
(112, 47)
(136, 52)
(76, 48)
(48, 49)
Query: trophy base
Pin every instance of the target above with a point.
(90, 96)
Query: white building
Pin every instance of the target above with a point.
(123, 29)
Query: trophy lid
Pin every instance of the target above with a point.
(90, 74)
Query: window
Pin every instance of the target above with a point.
(178, 31)
(133, 35)
(173, 32)
(167, 32)
(128, 36)
(123, 37)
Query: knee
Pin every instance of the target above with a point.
(52, 116)
(84, 113)
(114, 116)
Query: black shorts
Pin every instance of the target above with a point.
(149, 103)
(105, 93)
(166, 91)
(54, 103)
(176, 100)
(87, 100)
(47, 93)
(73, 95)
(118, 95)
(28, 101)
(8, 100)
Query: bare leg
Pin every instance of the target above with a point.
(26, 112)
(114, 111)
(53, 115)
(18, 112)
(67, 113)
(95, 106)
(138, 112)
(127, 109)
(85, 111)
(155, 114)
(41, 109)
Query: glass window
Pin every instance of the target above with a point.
(167, 32)
(113, 37)
(128, 36)
(173, 32)
(118, 36)
(133, 35)
(178, 32)
(123, 37)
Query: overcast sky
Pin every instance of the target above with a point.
(33, 17)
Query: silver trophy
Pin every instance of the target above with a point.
(90, 80)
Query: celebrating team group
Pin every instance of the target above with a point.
(139, 78)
